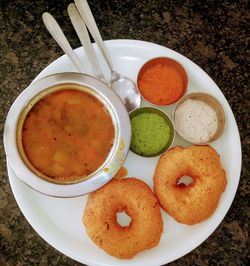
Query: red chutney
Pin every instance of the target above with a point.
(67, 134)
(162, 83)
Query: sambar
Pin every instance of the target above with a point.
(66, 135)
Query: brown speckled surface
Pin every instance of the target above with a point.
(213, 34)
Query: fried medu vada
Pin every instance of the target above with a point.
(193, 203)
(136, 199)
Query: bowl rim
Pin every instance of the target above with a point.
(196, 96)
(164, 114)
(173, 60)
(103, 175)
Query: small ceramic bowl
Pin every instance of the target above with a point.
(152, 131)
(163, 77)
(191, 119)
(20, 108)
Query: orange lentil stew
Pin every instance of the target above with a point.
(162, 82)
(67, 134)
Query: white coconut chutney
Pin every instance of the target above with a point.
(196, 121)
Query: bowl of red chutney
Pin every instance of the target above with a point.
(162, 81)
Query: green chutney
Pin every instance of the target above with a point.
(150, 134)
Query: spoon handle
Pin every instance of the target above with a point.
(85, 11)
(57, 33)
(83, 36)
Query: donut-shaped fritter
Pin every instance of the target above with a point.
(193, 203)
(136, 199)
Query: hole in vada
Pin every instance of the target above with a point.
(123, 219)
(185, 181)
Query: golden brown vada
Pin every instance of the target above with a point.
(136, 199)
(193, 203)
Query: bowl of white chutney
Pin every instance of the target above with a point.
(199, 118)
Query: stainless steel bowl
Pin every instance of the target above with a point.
(40, 88)
(164, 115)
(210, 101)
(164, 61)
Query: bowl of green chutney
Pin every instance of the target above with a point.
(153, 131)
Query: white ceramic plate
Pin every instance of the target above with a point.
(58, 220)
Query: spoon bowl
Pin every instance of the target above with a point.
(123, 86)
(127, 91)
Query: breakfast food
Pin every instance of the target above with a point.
(193, 203)
(67, 135)
(136, 199)
(152, 132)
(162, 81)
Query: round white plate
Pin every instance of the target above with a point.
(59, 221)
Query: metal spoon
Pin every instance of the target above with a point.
(56, 32)
(83, 36)
(123, 86)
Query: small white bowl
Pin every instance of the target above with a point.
(115, 158)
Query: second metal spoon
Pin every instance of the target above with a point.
(83, 36)
(57, 33)
(123, 86)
